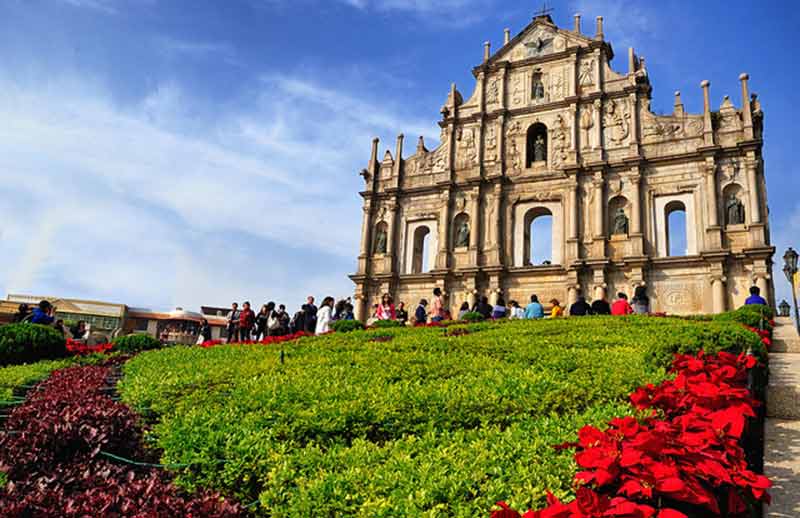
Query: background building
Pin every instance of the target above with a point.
(555, 145)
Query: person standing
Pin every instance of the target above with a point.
(437, 309)
(23, 313)
(261, 322)
(641, 302)
(755, 297)
(283, 320)
(233, 323)
(310, 311)
(246, 320)
(534, 310)
(621, 306)
(324, 316)
(298, 323)
(601, 307)
(386, 309)
(204, 334)
(580, 308)
(78, 331)
(401, 314)
(421, 314)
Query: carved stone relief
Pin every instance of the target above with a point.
(559, 83)
(617, 122)
(560, 141)
(586, 76)
(493, 92)
(586, 125)
(467, 153)
(518, 91)
(491, 144)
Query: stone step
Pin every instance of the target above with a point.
(785, 345)
(785, 328)
(783, 392)
(782, 467)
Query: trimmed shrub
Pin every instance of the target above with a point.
(26, 343)
(754, 315)
(473, 316)
(135, 343)
(384, 324)
(347, 326)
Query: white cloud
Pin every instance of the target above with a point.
(135, 204)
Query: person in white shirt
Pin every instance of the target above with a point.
(516, 312)
(325, 316)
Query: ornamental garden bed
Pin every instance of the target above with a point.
(427, 424)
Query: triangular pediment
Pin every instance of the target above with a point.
(540, 38)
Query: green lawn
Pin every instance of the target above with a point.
(422, 425)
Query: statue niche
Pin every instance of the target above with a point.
(734, 210)
(379, 246)
(620, 223)
(537, 91)
(462, 231)
(536, 149)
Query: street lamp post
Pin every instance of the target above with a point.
(790, 269)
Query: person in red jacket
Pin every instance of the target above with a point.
(621, 306)
(246, 320)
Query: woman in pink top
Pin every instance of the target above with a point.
(386, 308)
(437, 308)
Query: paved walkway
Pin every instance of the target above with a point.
(782, 433)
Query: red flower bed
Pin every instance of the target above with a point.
(683, 459)
(53, 454)
(270, 340)
(78, 347)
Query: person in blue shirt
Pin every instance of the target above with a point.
(534, 309)
(421, 314)
(43, 314)
(755, 297)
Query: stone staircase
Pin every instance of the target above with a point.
(782, 429)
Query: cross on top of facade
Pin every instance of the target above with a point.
(546, 10)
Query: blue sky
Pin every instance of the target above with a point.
(167, 153)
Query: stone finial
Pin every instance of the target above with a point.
(678, 106)
(577, 18)
(374, 156)
(487, 51)
(400, 138)
(631, 61)
(705, 84)
(421, 145)
(747, 107)
(506, 36)
(599, 35)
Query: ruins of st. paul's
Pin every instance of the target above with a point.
(553, 131)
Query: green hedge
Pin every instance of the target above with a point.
(754, 315)
(472, 316)
(347, 326)
(423, 425)
(136, 343)
(384, 324)
(26, 343)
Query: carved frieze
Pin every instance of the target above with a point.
(617, 122)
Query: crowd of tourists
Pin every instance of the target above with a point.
(44, 313)
(435, 311)
(244, 324)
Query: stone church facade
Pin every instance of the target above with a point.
(552, 130)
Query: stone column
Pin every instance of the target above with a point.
(763, 285)
(599, 292)
(474, 217)
(634, 133)
(636, 204)
(573, 211)
(572, 297)
(718, 294)
(599, 227)
(444, 231)
(391, 234)
(711, 193)
(752, 187)
(598, 125)
(365, 229)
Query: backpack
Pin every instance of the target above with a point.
(273, 322)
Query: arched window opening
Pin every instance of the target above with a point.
(618, 216)
(380, 243)
(538, 237)
(734, 212)
(677, 231)
(421, 260)
(461, 231)
(536, 149)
